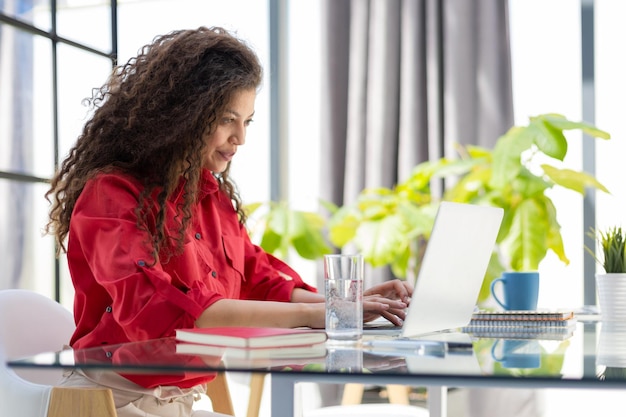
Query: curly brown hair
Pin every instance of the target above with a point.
(148, 121)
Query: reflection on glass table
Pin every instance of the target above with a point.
(593, 356)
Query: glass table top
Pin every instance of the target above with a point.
(594, 354)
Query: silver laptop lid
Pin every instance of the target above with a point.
(453, 268)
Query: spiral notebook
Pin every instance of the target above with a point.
(452, 271)
(524, 324)
(523, 315)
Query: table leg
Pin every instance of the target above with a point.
(283, 391)
(438, 401)
(257, 381)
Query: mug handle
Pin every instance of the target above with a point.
(493, 283)
(493, 352)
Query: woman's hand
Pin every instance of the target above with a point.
(389, 300)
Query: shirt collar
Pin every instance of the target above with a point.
(208, 185)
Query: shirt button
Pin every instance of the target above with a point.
(141, 263)
(198, 236)
(214, 274)
(109, 309)
(108, 354)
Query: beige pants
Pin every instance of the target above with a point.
(132, 400)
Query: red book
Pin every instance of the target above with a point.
(251, 337)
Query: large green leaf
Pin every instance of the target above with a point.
(560, 122)
(527, 242)
(473, 187)
(422, 173)
(400, 265)
(418, 221)
(278, 219)
(529, 185)
(549, 139)
(252, 207)
(573, 180)
(506, 225)
(307, 238)
(456, 168)
(376, 203)
(555, 240)
(343, 225)
(380, 241)
(331, 207)
(478, 152)
(298, 223)
(310, 244)
(494, 270)
(283, 229)
(507, 155)
(271, 241)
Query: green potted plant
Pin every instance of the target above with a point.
(612, 243)
(611, 284)
(391, 226)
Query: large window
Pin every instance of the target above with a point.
(49, 60)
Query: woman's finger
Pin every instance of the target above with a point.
(391, 303)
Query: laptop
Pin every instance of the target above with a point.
(452, 271)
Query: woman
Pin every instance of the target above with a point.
(155, 229)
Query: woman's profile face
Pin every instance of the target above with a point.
(230, 133)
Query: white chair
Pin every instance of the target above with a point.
(31, 323)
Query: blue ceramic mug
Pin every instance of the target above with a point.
(520, 290)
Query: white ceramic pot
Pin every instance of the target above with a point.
(611, 289)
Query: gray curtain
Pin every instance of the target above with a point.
(403, 81)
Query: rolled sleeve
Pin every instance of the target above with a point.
(269, 278)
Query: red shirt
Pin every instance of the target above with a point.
(121, 297)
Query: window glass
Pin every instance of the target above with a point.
(610, 93)
(34, 12)
(28, 258)
(87, 22)
(547, 79)
(304, 94)
(25, 104)
(75, 85)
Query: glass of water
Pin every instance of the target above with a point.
(343, 279)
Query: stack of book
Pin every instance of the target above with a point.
(523, 324)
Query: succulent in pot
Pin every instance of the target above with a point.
(611, 285)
